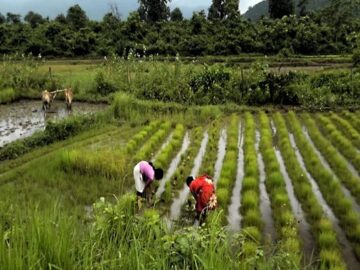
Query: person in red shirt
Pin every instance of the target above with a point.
(203, 190)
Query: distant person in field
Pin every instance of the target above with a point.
(203, 190)
(69, 95)
(47, 98)
(144, 174)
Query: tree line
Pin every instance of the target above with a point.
(155, 29)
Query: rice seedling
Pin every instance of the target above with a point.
(140, 137)
(347, 129)
(353, 119)
(343, 145)
(250, 217)
(164, 157)
(313, 210)
(336, 161)
(154, 142)
(329, 186)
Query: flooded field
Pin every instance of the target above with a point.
(23, 118)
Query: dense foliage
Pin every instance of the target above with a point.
(223, 32)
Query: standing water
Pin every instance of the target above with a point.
(234, 217)
(175, 208)
(21, 119)
(167, 141)
(265, 206)
(173, 165)
(220, 155)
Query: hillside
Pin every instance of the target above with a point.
(262, 9)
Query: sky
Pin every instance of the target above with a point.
(95, 9)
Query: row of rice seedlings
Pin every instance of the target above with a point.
(184, 168)
(339, 141)
(336, 161)
(140, 137)
(164, 158)
(353, 118)
(327, 244)
(285, 222)
(148, 149)
(208, 163)
(329, 186)
(108, 164)
(228, 171)
(347, 129)
(251, 222)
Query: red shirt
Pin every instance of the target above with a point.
(202, 188)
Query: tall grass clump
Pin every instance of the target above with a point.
(40, 239)
(320, 224)
(151, 145)
(285, 221)
(251, 217)
(329, 186)
(109, 164)
(336, 161)
(347, 129)
(7, 95)
(343, 144)
(353, 118)
(229, 168)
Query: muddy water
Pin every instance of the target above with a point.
(21, 119)
(173, 165)
(327, 166)
(346, 249)
(167, 141)
(175, 208)
(265, 206)
(220, 155)
(304, 227)
(234, 217)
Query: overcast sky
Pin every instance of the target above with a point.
(96, 9)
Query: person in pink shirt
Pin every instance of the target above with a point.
(144, 174)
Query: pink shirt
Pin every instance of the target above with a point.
(147, 171)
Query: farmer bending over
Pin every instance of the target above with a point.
(144, 175)
(203, 190)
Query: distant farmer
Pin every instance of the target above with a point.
(144, 175)
(47, 98)
(203, 190)
(69, 95)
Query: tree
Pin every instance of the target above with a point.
(2, 19)
(281, 8)
(34, 19)
(217, 10)
(13, 18)
(302, 7)
(76, 17)
(232, 8)
(222, 9)
(154, 10)
(60, 19)
(176, 15)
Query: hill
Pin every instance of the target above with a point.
(262, 9)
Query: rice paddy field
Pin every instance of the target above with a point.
(288, 188)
